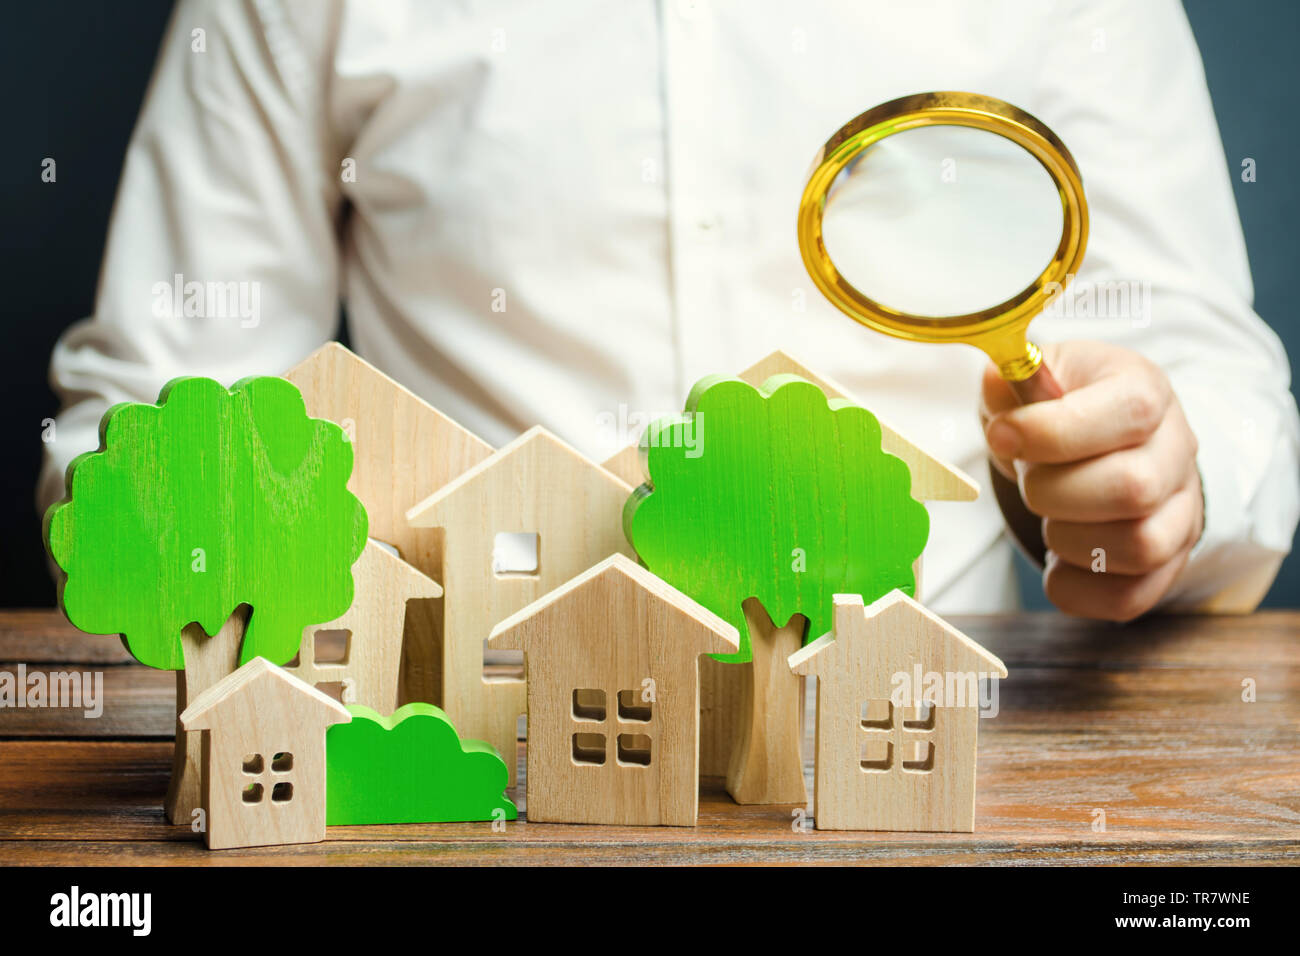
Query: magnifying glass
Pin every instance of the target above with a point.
(953, 217)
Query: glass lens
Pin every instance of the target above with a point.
(942, 220)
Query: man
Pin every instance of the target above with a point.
(546, 212)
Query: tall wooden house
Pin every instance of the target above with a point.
(568, 506)
(404, 450)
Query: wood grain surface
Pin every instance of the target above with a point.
(1145, 722)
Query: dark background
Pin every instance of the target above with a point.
(74, 75)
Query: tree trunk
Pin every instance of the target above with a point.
(766, 759)
(207, 660)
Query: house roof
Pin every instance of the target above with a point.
(260, 677)
(602, 582)
(895, 633)
(521, 452)
(410, 580)
(932, 478)
(336, 363)
(403, 447)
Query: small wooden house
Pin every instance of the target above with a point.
(897, 717)
(357, 658)
(613, 696)
(571, 510)
(723, 687)
(404, 450)
(263, 763)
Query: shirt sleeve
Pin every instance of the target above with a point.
(221, 258)
(1125, 89)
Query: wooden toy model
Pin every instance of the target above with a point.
(405, 449)
(535, 485)
(263, 757)
(223, 534)
(357, 657)
(613, 700)
(411, 767)
(722, 688)
(897, 717)
(766, 764)
(207, 530)
(932, 479)
(788, 500)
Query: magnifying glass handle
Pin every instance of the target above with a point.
(1026, 528)
(1039, 387)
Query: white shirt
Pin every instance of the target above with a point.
(554, 213)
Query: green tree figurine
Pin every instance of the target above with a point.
(782, 497)
(208, 529)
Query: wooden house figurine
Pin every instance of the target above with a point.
(404, 449)
(613, 701)
(263, 763)
(357, 658)
(569, 507)
(897, 716)
(932, 479)
(723, 687)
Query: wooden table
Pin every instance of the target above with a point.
(1145, 724)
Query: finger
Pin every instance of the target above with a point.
(1122, 409)
(996, 397)
(1135, 546)
(1107, 597)
(1126, 484)
(1074, 364)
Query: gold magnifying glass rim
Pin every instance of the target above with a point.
(991, 329)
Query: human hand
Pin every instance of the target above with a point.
(1110, 468)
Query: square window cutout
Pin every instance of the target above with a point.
(876, 755)
(502, 664)
(332, 688)
(516, 553)
(331, 648)
(877, 714)
(924, 760)
(632, 707)
(588, 704)
(589, 749)
(920, 717)
(634, 749)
